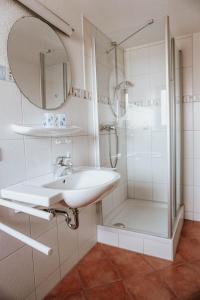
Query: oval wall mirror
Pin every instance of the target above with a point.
(39, 63)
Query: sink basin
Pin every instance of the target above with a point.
(84, 187)
(81, 188)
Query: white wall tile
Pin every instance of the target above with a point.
(187, 81)
(160, 192)
(196, 171)
(196, 115)
(140, 61)
(80, 156)
(31, 297)
(188, 215)
(188, 119)
(12, 163)
(188, 170)
(157, 58)
(131, 193)
(39, 226)
(143, 190)
(189, 146)
(38, 156)
(67, 242)
(10, 112)
(60, 147)
(159, 143)
(188, 197)
(43, 289)
(107, 204)
(32, 115)
(44, 265)
(16, 275)
(18, 221)
(197, 200)
(87, 230)
(68, 264)
(196, 144)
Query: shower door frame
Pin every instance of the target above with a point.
(171, 129)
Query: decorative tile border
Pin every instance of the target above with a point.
(80, 93)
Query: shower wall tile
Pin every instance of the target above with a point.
(143, 190)
(189, 147)
(188, 171)
(188, 194)
(142, 168)
(188, 118)
(160, 192)
(131, 194)
(157, 58)
(140, 57)
(196, 113)
(187, 81)
(196, 172)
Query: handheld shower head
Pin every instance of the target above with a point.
(124, 85)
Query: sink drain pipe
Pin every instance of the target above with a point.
(68, 219)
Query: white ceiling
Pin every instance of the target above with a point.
(119, 18)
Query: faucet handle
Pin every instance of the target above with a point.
(60, 160)
(64, 160)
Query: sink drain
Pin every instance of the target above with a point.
(119, 225)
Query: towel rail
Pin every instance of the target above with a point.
(26, 239)
(27, 209)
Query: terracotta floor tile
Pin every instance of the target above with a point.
(113, 291)
(95, 254)
(148, 287)
(69, 285)
(182, 280)
(191, 229)
(108, 273)
(158, 263)
(189, 249)
(196, 265)
(96, 274)
(76, 296)
(129, 263)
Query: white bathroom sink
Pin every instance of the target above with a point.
(85, 186)
(81, 188)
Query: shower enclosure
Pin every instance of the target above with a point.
(139, 121)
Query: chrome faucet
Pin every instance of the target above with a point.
(63, 165)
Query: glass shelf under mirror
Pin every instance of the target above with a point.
(39, 131)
